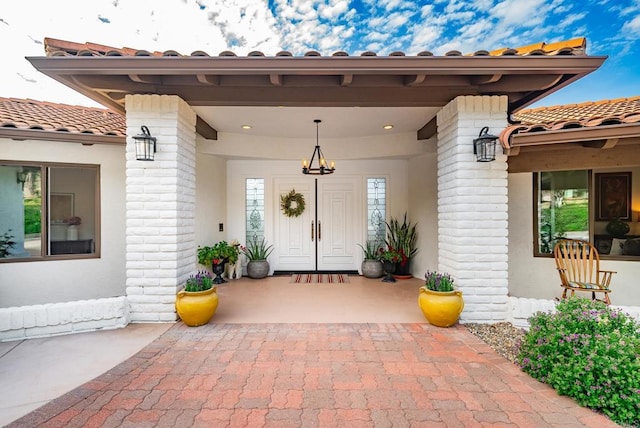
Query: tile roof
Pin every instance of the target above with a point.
(61, 118)
(56, 47)
(585, 115)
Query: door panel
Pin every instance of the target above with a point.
(338, 224)
(294, 249)
(334, 234)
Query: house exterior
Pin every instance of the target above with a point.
(208, 184)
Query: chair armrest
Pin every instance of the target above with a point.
(606, 277)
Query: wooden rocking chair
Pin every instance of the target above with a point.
(578, 264)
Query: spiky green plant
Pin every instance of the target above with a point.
(402, 236)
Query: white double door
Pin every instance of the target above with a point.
(325, 236)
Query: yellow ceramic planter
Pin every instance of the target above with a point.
(196, 307)
(441, 308)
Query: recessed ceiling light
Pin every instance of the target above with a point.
(246, 126)
(387, 127)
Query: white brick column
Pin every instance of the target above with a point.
(160, 211)
(472, 207)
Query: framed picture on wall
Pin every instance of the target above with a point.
(61, 207)
(613, 196)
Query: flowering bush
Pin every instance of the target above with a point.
(201, 282)
(590, 352)
(435, 281)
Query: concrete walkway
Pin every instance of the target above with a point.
(280, 354)
(35, 371)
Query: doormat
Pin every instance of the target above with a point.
(319, 278)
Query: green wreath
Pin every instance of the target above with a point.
(292, 204)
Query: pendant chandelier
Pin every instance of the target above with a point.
(322, 168)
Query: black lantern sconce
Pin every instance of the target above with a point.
(145, 145)
(21, 177)
(484, 147)
(322, 168)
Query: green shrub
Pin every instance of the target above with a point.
(590, 352)
(32, 218)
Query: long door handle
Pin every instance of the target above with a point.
(319, 231)
(312, 229)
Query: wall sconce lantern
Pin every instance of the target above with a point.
(322, 168)
(484, 147)
(21, 177)
(145, 145)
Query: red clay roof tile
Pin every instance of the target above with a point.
(47, 116)
(56, 47)
(571, 116)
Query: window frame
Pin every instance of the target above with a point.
(592, 201)
(45, 212)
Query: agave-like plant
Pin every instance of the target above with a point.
(402, 236)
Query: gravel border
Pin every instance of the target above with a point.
(502, 337)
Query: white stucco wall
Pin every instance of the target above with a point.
(536, 277)
(211, 191)
(40, 282)
(423, 210)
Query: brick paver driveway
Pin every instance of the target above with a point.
(308, 375)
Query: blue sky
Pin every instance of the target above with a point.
(612, 28)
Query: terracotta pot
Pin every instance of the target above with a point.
(371, 268)
(196, 307)
(441, 308)
(257, 269)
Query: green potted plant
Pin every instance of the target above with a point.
(403, 237)
(216, 256)
(257, 253)
(197, 302)
(389, 258)
(371, 265)
(439, 301)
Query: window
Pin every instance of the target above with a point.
(562, 207)
(48, 211)
(254, 207)
(376, 209)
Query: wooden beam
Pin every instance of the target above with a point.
(206, 79)
(601, 144)
(574, 157)
(205, 130)
(414, 80)
(513, 151)
(276, 79)
(153, 80)
(428, 130)
(346, 79)
(483, 80)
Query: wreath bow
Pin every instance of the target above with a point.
(292, 203)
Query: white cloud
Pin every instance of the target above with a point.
(632, 26)
(334, 9)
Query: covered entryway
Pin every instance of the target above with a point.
(324, 236)
(186, 198)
